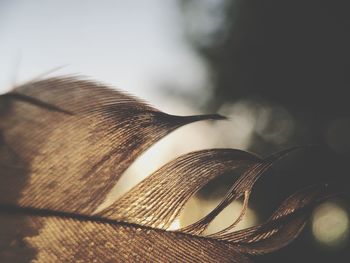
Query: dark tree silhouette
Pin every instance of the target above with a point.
(290, 55)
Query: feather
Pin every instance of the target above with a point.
(242, 187)
(68, 237)
(159, 199)
(73, 238)
(296, 207)
(64, 142)
(75, 159)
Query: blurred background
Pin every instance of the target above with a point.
(278, 69)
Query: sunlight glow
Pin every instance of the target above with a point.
(175, 224)
(197, 208)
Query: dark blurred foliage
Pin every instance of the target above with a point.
(293, 56)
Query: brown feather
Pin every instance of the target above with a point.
(64, 143)
(71, 161)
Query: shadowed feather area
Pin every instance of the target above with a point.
(64, 143)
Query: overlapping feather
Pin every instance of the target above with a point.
(64, 142)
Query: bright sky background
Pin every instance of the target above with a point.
(137, 46)
(134, 45)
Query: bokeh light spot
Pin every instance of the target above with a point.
(330, 224)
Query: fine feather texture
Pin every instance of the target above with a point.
(64, 143)
(157, 201)
(65, 237)
(242, 187)
(74, 159)
(283, 226)
(70, 238)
